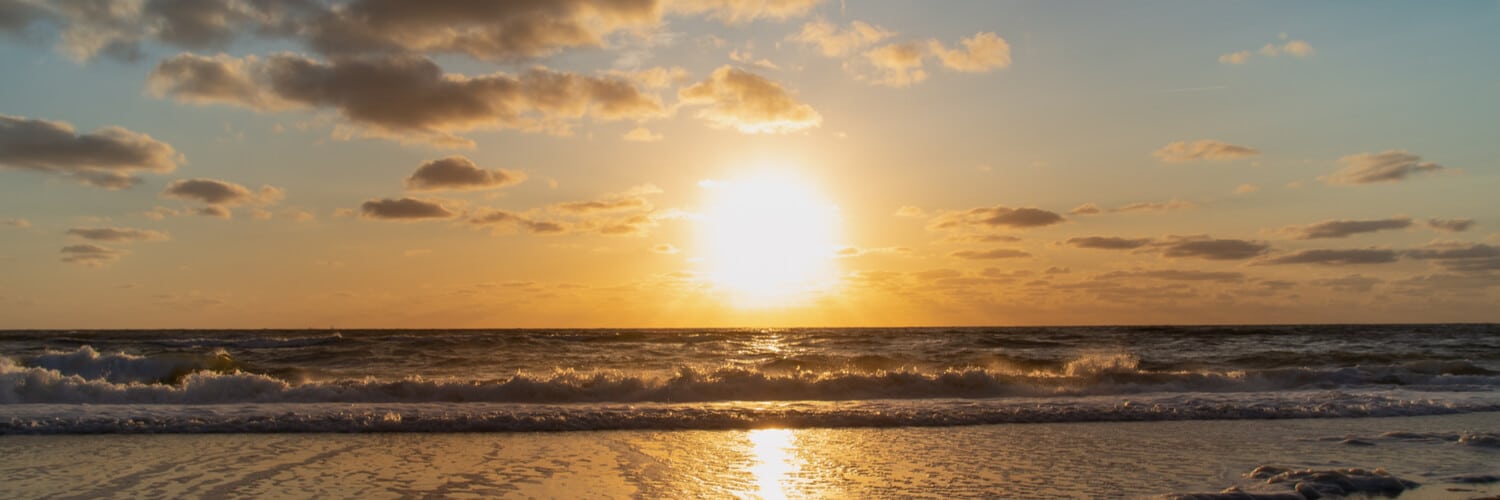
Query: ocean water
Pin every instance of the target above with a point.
(234, 381)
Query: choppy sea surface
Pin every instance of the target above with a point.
(235, 381)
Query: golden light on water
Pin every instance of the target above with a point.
(768, 240)
(775, 461)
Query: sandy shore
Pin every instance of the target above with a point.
(1023, 460)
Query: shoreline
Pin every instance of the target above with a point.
(1038, 459)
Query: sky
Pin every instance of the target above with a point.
(746, 163)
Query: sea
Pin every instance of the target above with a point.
(521, 380)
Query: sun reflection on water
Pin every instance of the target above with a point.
(775, 461)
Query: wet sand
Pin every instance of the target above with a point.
(1017, 461)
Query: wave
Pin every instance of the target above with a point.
(119, 367)
(250, 343)
(511, 417)
(86, 376)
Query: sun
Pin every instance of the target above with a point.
(768, 240)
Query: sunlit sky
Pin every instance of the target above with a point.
(681, 163)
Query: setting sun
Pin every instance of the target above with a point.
(767, 240)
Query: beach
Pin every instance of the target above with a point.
(1045, 460)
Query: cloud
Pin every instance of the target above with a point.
(997, 216)
(1337, 257)
(1180, 275)
(510, 219)
(217, 192)
(665, 249)
(117, 234)
(1451, 225)
(1108, 242)
(1240, 57)
(214, 211)
(1147, 206)
(997, 253)
(1389, 166)
(1212, 249)
(1086, 209)
(1350, 283)
(835, 42)
(407, 98)
(404, 209)
(982, 52)
(89, 255)
(897, 64)
(1246, 189)
(1345, 228)
(1205, 149)
(457, 173)
(749, 103)
(642, 134)
(1460, 257)
(107, 158)
(16, 223)
(604, 205)
(743, 11)
(910, 211)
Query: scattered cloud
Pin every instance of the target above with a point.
(1451, 225)
(217, 195)
(108, 157)
(742, 11)
(1086, 209)
(642, 134)
(1146, 206)
(910, 211)
(1240, 57)
(407, 98)
(665, 249)
(1350, 283)
(1345, 228)
(457, 173)
(981, 53)
(997, 253)
(1205, 149)
(89, 255)
(749, 103)
(1389, 166)
(1246, 189)
(117, 234)
(833, 41)
(404, 209)
(1337, 257)
(502, 218)
(1108, 242)
(1212, 248)
(16, 223)
(1460, 257)
(1179, 275)
(897, 64)
(746, 57)
(997, 216)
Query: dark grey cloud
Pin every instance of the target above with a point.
(997, 216)
(1346, 228)
(1206, 149)
(209, 191)
(118, 234)
(1108, 242)
(17, 15)
(1451, 225)
(458, 173)
(1389, 166)
(89, 255)
(1213, 249)
(996, 253)
(108, 157)
(1337, 257)
(404, 209)
(1460, 257)
(404, 97)
(1351, 283)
